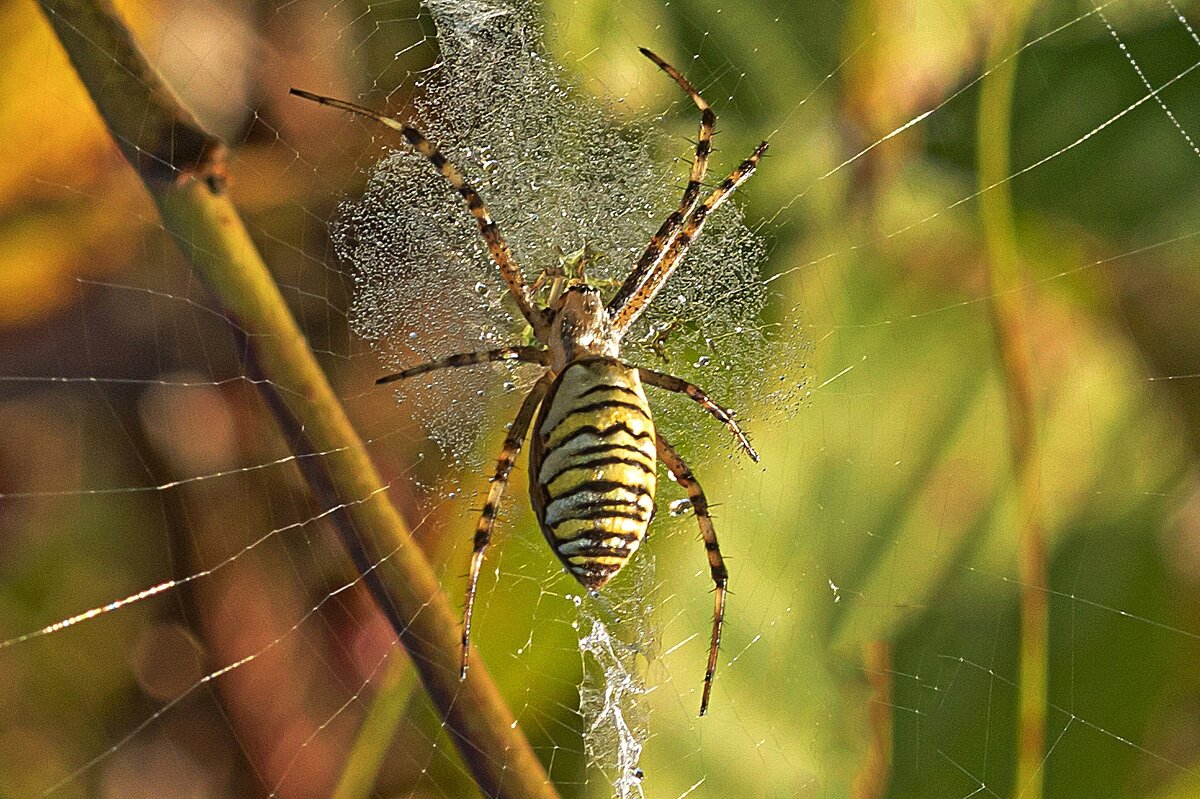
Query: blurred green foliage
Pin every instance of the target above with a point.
(886, 508)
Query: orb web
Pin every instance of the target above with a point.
(559, 173)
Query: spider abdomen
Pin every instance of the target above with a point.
(592, 467)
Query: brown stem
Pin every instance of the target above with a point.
(180, 164)
(871, 781)
(159, 137)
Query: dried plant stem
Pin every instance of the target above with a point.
(181, 166)
(1009, 319)
(871, 781)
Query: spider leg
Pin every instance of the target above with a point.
(636, 301)
(681, 386)
(487, 518)
(526, 354)
(496, 244)
(691, 194)
(716, 564)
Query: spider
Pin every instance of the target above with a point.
(594, 445)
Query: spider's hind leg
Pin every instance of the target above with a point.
(716, 563)
(487, 517)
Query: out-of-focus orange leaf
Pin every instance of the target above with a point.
(53, 134)
(50, 233)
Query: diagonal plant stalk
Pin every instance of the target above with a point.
(181, 166)
(873, 777)
(378, 729)
(1009, 319)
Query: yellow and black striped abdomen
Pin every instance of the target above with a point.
(591, 465)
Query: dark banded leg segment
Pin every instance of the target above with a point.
(633, 303)
(487, 226)
(487, 518)
(681, 386)
(716, 564)
(670, 226)
(526, 354)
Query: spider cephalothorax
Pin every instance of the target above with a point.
(594, 445)
(580, 327)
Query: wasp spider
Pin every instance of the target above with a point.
(594, 444)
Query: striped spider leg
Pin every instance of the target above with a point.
(666, 250)
(520, 291)
(634, 296)
(683, 475)
(504, 465)
(691, 194)
(716, 564)
(487, 517)
(697, 394)
(496, 244)
(525, 354)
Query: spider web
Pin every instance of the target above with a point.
(175, 615)
(564, 176)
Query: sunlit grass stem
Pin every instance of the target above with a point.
(182, 167)
(378, 730)
(1009, 313)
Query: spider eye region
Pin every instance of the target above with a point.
(582, 301)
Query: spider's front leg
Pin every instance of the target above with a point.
(642, 286)
(488, 230)
(665, 236)
(716, 564)
(487, 517)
